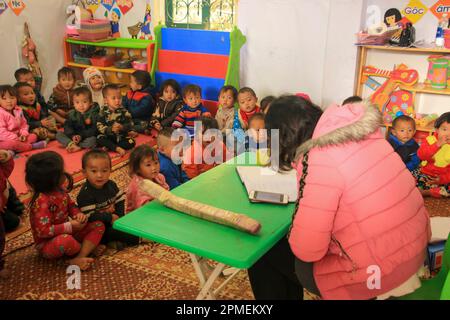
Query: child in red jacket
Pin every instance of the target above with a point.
(433, 178)
(6, 167)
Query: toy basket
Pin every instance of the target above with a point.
(140, 65)
(105, 61)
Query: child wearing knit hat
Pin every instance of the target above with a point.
(95, 82)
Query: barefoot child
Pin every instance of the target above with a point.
(55, 235)
(14, 134)
(80, 128)
(115, 124)
(144, 164)
(101, 200)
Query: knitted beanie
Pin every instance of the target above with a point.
(89, 73)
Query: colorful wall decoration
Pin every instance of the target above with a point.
(17, 6)
(3, 6)
(108, 4)
(414, 11)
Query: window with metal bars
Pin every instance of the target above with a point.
(201, 14)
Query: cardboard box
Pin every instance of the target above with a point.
(435, 255)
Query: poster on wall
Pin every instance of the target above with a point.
(440, 8)
(414, 11)
(3, 6)
(108, 4)
(124, 5)
(17, 6)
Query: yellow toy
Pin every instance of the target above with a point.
(442, 157)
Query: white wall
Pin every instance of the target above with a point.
(300, 46)
(46, 20)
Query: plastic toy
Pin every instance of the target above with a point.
(401, 75)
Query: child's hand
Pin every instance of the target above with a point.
(23, 138)
(435, 181)
(115, 217)
(47, 123)
(4, 155)
(116, 128)
(76, 225)
(76, 139)
(81, 218)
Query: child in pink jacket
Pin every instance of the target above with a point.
(14, 133)
(360, 229)
(144, 164)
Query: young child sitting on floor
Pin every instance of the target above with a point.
(139, 101)
(197, 160)
(101, 200)
(247, 100)
(93, 78)
(168, 106)
(169, 162)
(433, 179)
(61, 101)
(55, 235)
(265, 104)
(144, 164)
(192, 110)
(25, 75)
(38, 119)
(14, 133)
(225, 114)
(80, 128)
(401, 139)
(115, 124)
(255, 132)
(6, 167)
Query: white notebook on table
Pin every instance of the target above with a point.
(264, 179)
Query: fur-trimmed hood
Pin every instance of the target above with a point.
(341, 124)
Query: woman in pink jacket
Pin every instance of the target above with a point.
(360, 229)
(14, 133)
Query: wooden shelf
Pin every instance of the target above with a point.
(112, 69)
(409, 50)
(123, 43)
(423, 88)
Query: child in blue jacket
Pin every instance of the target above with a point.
(139, 101)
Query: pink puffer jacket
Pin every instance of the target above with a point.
(360, 208)
(12, 126)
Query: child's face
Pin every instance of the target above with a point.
(67, 81)
(27, 95)
(113, 99)
(97, 172)
(169, 94)
(226, 99)
(247, 101)
(257, 125)
(96, 83)
(28, 78)
(404, 131)
(149, 168)
(82, 103)
(8, 102)
(193, 99)
(134, 85)
(444, 132)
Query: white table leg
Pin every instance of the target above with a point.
(206, 283)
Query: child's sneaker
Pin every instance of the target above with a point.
(40, 145)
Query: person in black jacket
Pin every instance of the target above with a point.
(80, 128)
(101, 200)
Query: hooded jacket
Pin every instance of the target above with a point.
(140, 104)
(361, 211)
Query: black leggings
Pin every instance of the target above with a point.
(279, 275)
(112, 145)
(116, 235)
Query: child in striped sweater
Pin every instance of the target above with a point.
(192, 110)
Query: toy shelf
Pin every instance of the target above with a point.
(79, 65)
(410, 50)
(139, 48)
(423, 88)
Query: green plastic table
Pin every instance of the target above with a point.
(220, 187)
